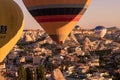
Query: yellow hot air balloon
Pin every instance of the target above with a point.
(11, 26)
(57, 17)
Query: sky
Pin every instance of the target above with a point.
(99, 12)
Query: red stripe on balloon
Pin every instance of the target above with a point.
(57, 18)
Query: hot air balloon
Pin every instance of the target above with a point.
(100, 31)
(11, 26)
(77, 27)
(57, 17)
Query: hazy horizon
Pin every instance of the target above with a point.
(99, 12)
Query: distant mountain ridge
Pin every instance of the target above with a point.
(113, 28)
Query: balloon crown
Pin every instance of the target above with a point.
(99, 27)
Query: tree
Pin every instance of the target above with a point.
(29, 74)
(34, 75)
(21, 73)
(40, 73)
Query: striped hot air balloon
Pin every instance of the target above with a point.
(11, 26)
(100, 31)
(57, 17)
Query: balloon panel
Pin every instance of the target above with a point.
(59, 13)
(62, 32)
(11, 26)
(99, 28)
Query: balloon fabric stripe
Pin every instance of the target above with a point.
(56, 6)
(55, 11)
(30, 3)
(57, 18)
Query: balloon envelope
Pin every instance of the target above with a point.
(11, 26)
(100, 31)
(57, 17)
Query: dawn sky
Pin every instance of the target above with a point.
(99, 12)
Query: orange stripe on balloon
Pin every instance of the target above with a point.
(30, 3)
(56, 18)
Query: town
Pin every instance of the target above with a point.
(82, 57)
